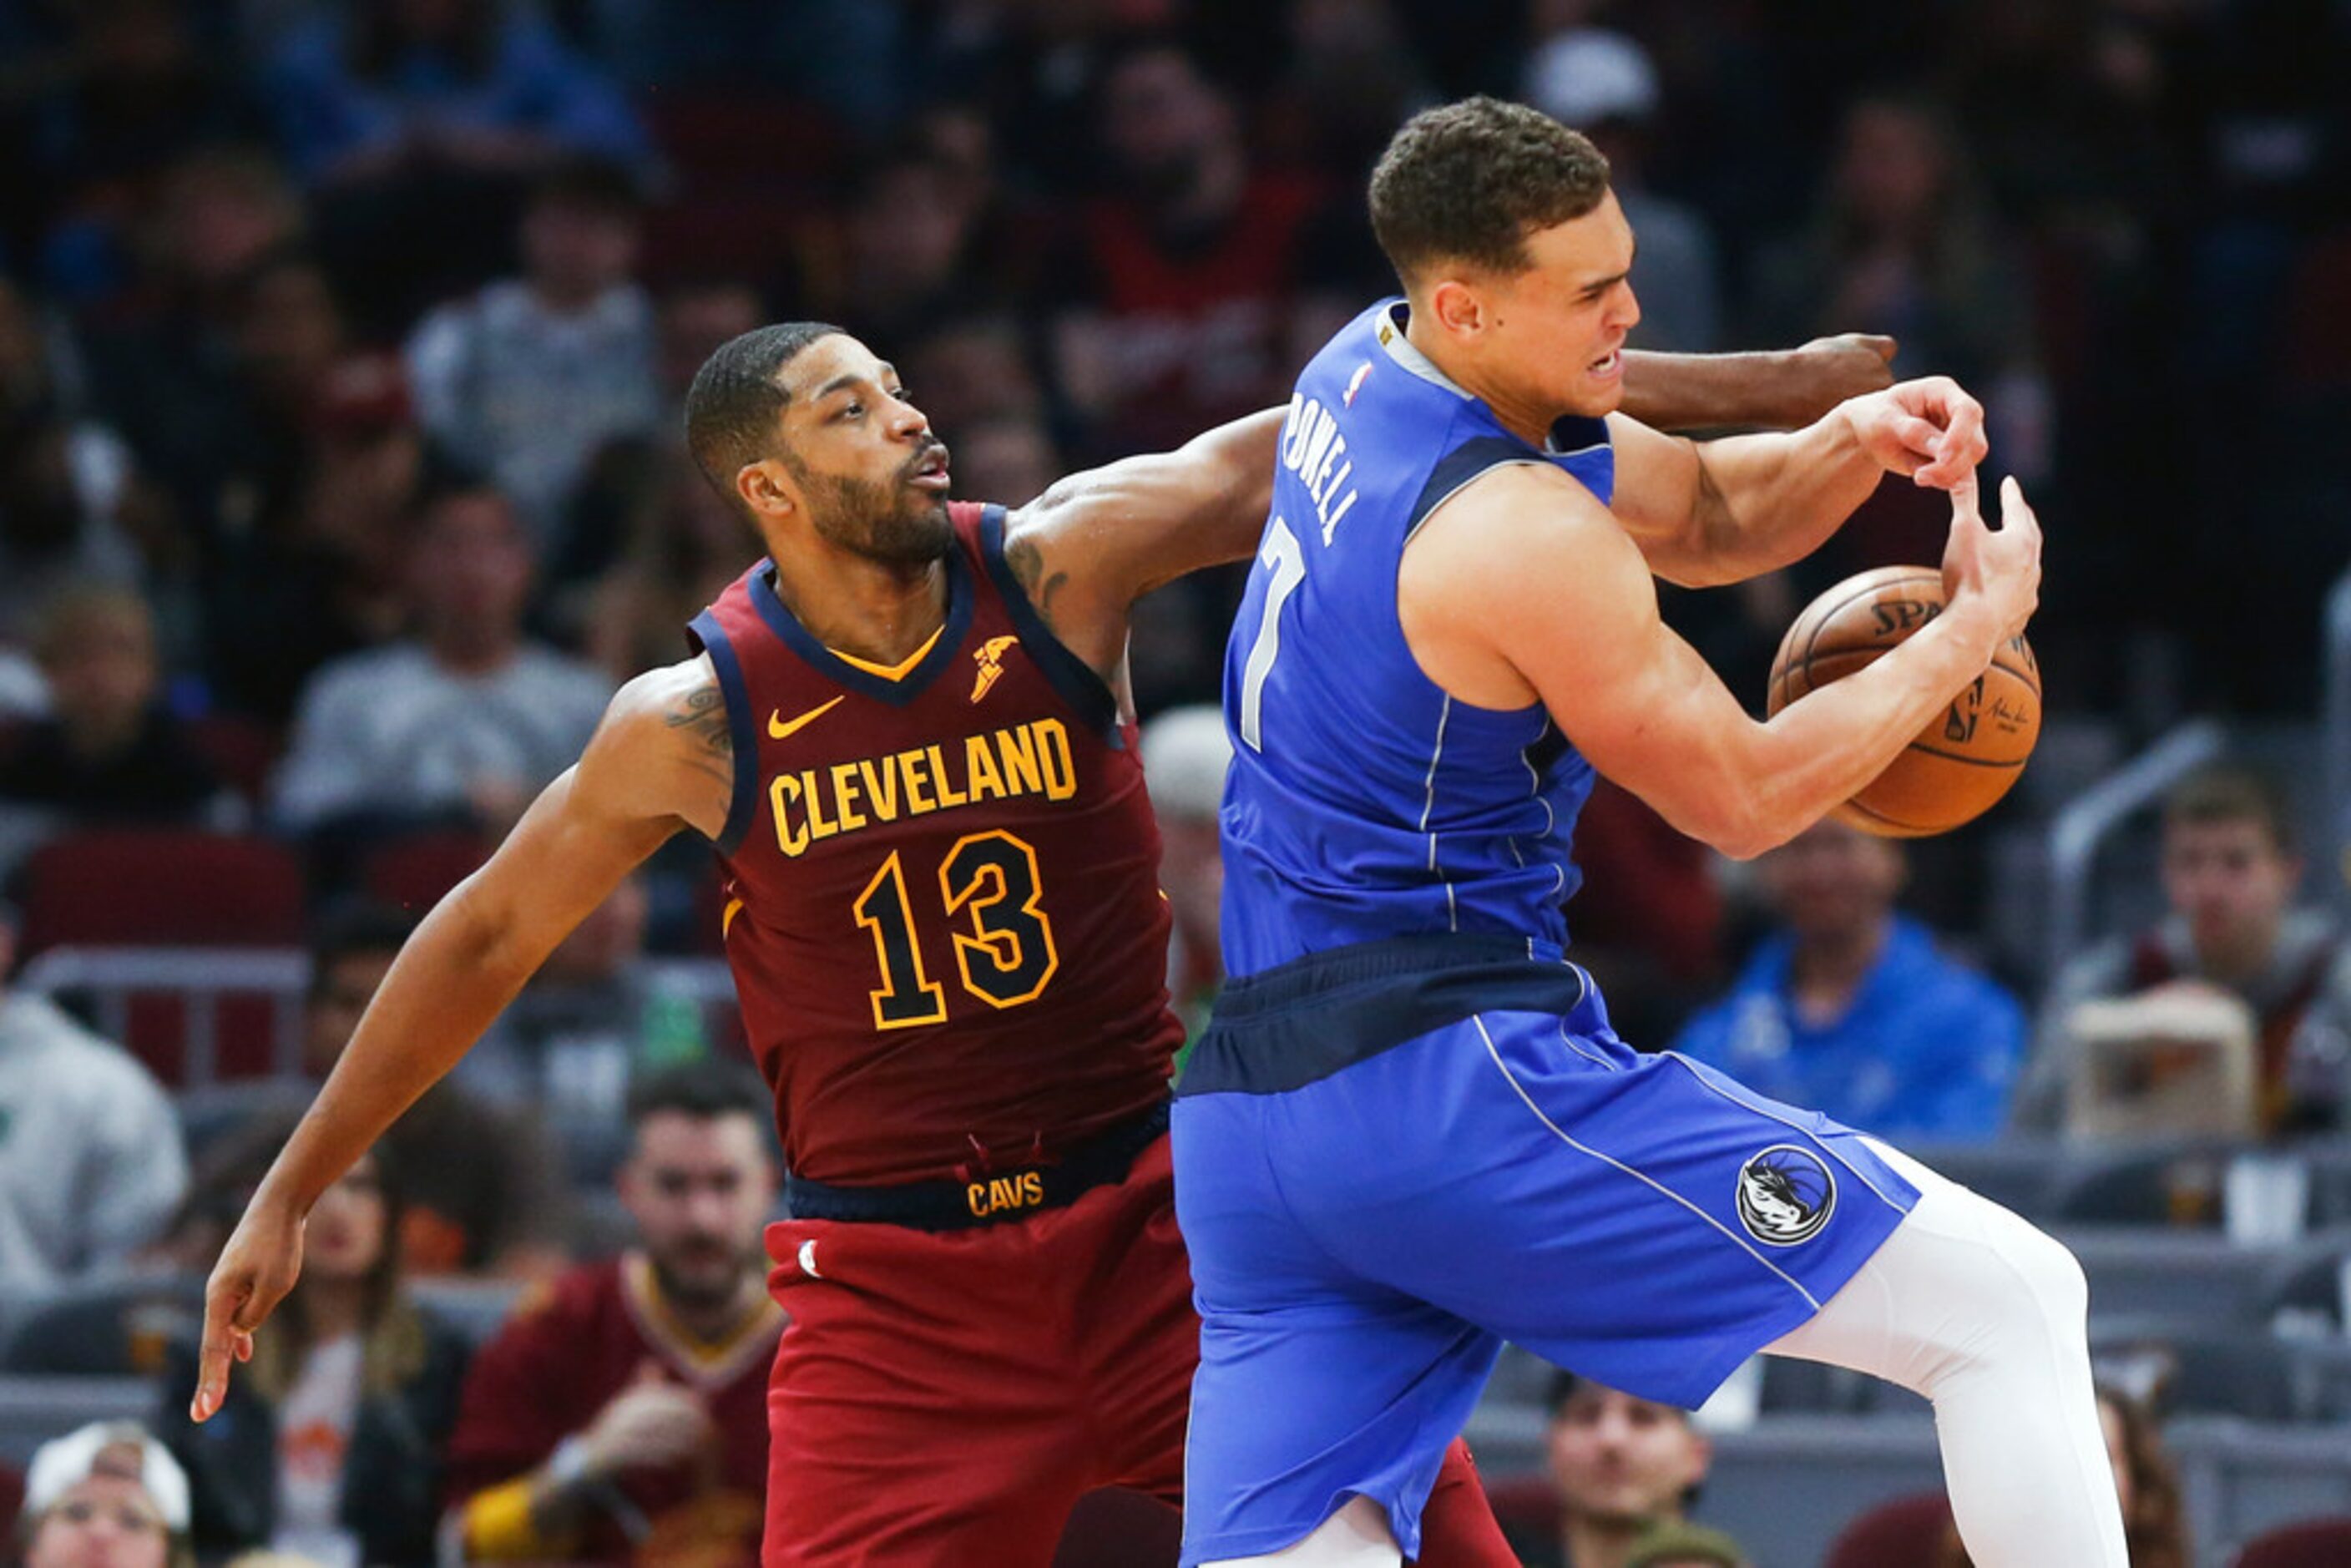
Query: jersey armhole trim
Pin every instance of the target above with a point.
(706, 635)
(1455, 470)
(1075, 680)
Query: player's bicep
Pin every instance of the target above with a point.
(629, 793)
(1128, 527)
(1661, 498)
(1576, 614)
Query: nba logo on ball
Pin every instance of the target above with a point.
(1785, 1195)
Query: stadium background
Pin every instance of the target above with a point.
(1086, 227)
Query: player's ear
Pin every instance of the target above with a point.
(1458, 308)
(765, 490)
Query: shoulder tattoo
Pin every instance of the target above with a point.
(701, 712)
(1028, 564)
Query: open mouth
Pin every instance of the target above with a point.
(929, 471)
(1609, 363)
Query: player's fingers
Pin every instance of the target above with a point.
(215, 1350)
(1914, 439)
(2016, 512)
(1878, 343)
(1966, 498)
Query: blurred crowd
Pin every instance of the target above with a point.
(341, 481)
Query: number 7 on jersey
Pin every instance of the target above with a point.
(1286, 559)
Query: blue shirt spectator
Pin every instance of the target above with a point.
(1853, 1011)
(347, 95)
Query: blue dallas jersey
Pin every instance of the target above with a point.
(1365, 802)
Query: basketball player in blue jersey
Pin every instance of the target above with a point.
(1409, 1133)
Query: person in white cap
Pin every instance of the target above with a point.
(105, 1496)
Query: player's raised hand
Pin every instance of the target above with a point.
(255, 1269)
(1999, 569)
(1930, 429)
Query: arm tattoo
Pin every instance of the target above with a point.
(703, 714)
(1028, 564)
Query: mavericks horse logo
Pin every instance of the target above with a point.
(1785, 1195)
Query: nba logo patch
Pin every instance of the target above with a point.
(1785, 1195)
(1355, 382)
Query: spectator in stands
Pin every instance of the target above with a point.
(1852, 1007)
(586, 1020)
(1185, 754)
(91, 1162)
(105, 1496)
(167, 364)
(414, 126)
(485, 1191)
(1622, 1465)
(1685, 1546)
(110, 751)
(629, 1403)
(468, 719)
(473, 86)
(695, 315)
(681, 544)
(335, 1451)
(2231, 868)
(62, 488)
(527, 379)
(321, 575)
(1184, 266)
(904, 241)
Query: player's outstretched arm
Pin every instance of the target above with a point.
(1524, 587)
(1779, 389)
(659, 761)
(1097, 541)
(1712, 512)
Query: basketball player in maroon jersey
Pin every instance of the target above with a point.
(906, 733)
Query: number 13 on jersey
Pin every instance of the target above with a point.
(1285, 558)
(1006, 958)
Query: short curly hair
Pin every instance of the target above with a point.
(731, 408)
(1469, 182)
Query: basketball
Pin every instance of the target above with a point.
(1963, 762)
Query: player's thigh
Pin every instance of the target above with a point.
(1140, 1334)
(903, 1433)
(1313, 1384)
(1640, 1218)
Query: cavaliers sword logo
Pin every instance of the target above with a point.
(991, 659)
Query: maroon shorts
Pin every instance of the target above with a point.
(945, 1397)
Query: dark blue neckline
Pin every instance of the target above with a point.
(897, 693)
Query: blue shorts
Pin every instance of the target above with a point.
(1391, 1158)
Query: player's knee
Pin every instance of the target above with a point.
(2048, 1269)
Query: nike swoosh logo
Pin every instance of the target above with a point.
(779, 730)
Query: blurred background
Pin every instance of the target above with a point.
(342, 350)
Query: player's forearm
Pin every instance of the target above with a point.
(1761, 502)
(455, 975)
(1718, 392)
(1821, 750)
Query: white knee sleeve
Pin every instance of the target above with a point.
(1987, 1317)
(1356, 1536)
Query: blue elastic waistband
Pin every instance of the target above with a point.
(1286, 1027)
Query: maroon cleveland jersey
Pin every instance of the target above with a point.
(943, 906)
